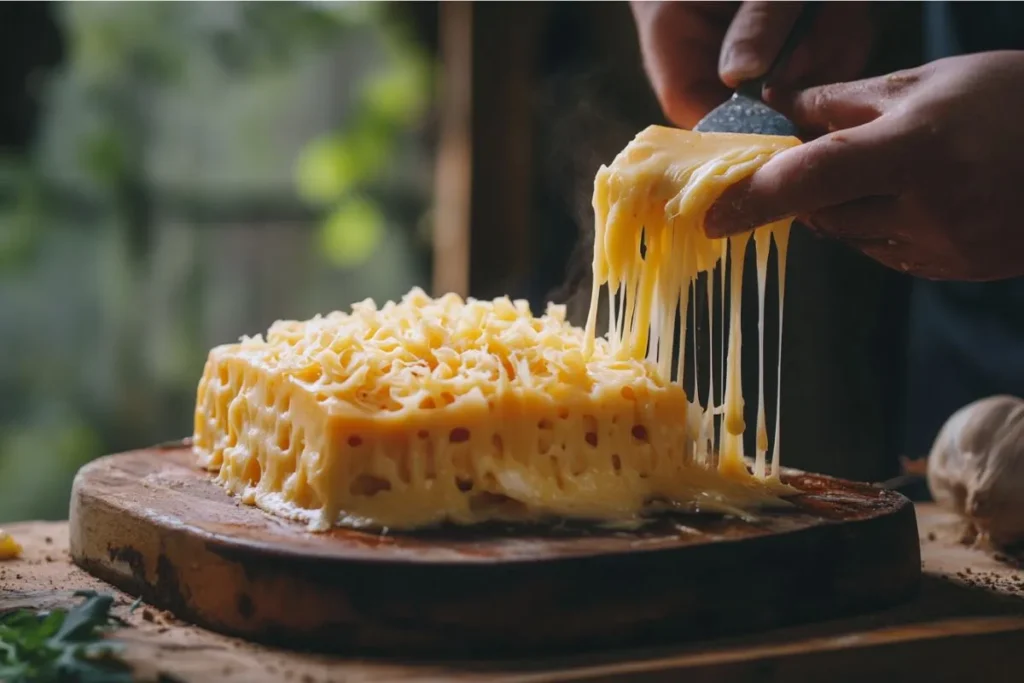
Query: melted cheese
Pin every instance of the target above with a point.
(9, 548)
(650, 251)
(432, 410)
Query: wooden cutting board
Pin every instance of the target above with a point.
(154, 525)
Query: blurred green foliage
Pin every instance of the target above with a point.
(351, 232)
(108, 299)
(22, 213)
(333, 170)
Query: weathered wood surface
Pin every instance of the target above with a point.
(151, 523)
(967, 623)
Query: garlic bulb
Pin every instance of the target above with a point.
(976, 467)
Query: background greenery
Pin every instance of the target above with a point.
(201, 169)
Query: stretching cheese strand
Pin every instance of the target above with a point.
(658, 190)
(781, 246)
(762, 242)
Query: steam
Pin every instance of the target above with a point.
(587, 132)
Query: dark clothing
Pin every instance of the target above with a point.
(966, 340)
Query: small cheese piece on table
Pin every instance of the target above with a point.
(9, 548)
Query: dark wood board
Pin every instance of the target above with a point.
(154, 525)
(965, 624)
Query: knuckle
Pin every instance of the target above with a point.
(821, 100)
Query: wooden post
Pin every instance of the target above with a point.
(504, 55)
(453, 177)
(481, 225)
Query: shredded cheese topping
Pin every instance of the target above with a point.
(432, 410)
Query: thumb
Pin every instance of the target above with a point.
(754, 38)
(834, 169)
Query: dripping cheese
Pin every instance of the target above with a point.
(651, 251)
(431, 410)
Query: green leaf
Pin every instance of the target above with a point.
(324, 170)
(82, 621)
(400, 94)
(62, 645)
(330, 168)
(104, 156)
(351, 233)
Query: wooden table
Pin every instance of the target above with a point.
(966, 624)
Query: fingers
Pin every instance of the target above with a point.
(899, 235)
(754, 38)
(827, 108)
(836, 50)
(881, 229)
(862, 162)
(685, 108)
(679, 42)
(870, 222)
(842, 105)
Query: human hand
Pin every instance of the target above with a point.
(920, 169)
(695, 52)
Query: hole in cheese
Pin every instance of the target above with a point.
(486, 501)
(284, 436)
(252, 472)
(369, 485)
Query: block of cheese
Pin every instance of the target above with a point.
(432, 410)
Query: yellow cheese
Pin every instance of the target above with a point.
(429, 410)
(9, 548)
(432, 410)
(655, 195)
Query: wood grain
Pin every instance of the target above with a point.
(966, 623)
(154, 525)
